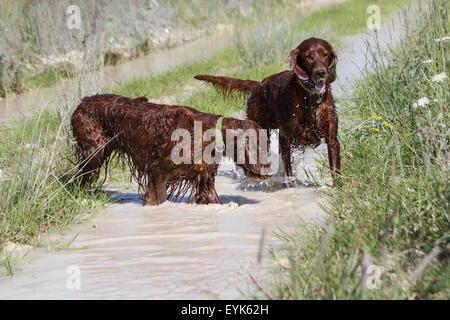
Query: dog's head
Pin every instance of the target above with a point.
(314, 62)
(249, 149)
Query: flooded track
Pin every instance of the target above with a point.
(173, 251)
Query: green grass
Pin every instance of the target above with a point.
(349, 17)
(36, 191)
(392, 209)
(173, 81)
(49, 77)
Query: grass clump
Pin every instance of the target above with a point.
(349, 17)
(50, 76)
(388, 233)
(36, 191)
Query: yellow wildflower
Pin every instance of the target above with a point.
(376, 129)
(377, 117)
(388, 125)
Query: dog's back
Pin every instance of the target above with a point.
(109, 108)
(103, 124)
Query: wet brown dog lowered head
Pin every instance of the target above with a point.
(298, 101)
(142, 132)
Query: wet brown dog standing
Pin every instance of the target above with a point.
(140, 131)
(299, 101)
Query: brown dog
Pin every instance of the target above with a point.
(143, 133)
(298, 101)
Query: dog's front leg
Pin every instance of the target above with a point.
(285, 150)
(334, 158)
(156, 191)
(334, 150)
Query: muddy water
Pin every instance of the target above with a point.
(178, 250)
(173, 251)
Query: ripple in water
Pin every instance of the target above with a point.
(275, 183)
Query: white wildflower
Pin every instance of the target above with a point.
(428, 61)
(439, 77)
(442, 39)
(421, 102)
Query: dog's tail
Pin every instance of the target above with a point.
(228, 85)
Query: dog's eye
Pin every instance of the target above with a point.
(325, 55)
(309, 56)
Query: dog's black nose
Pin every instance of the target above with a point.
(321, 73)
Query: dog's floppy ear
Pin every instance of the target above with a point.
(332, 66)
(295, 67)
